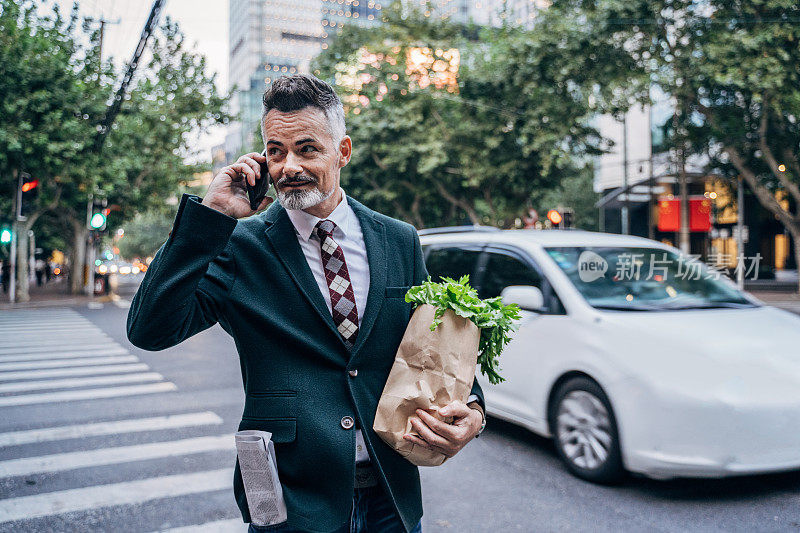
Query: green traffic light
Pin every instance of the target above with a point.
(97, 221)
(5, 236)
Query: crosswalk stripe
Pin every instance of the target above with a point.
(55, 319)
(60, 462)
(50, 349)
(34, 333)
(63, 355)
(114, 427)
(88, 361)
(51, 328)
(57, 340)
(87, 394)
(235, 525)
(68, 383)
(126, 493)
(65, 372)
(52, 311)
(84, 327)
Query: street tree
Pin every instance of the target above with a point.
(732, 71)
(45, 108)
(54, 92)
(458, 124)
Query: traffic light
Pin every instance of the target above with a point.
(554, 217)
(561, 218)
(98, 221)
(569, 217)
(99, 216)
(30, 190)
(5, 236)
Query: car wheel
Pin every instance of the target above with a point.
(585, 431)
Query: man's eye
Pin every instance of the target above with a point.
(303, 149)
(272, 151)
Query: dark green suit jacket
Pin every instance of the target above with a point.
(251, 276)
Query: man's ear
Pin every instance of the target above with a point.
(345, 150)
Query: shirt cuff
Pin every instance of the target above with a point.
(474, 398)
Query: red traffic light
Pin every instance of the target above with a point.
(554, 217)
(30, 185)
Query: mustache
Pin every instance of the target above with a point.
(297, 179)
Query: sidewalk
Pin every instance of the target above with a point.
(789, 301)
(55, 293)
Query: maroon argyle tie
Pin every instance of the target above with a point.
(343, 300)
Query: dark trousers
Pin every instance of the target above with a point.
(372, 512)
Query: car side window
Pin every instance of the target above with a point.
(452, 262)
(503, 270)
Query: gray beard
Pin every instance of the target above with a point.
(302, 199)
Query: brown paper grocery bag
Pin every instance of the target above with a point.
(431, 369)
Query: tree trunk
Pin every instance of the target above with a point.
(463, 204)
(77, 257)
(23, 283)
(417, 216)
(683, 188)
(796, 241)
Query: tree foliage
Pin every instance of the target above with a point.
(732, 69)
(54, 92)
(145, 234)
(481, 150)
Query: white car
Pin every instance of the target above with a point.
(663, 374)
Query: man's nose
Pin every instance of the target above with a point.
(292, 165)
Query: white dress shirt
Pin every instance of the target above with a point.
(349, 236)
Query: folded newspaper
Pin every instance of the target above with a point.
(262, 487)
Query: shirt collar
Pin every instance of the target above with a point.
(304, 223)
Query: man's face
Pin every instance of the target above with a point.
(304, 161)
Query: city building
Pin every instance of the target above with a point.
(639, 184)
(272, 38)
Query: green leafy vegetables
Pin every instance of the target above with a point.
(494, 319)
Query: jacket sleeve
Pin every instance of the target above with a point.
(190, 276)
(420, 275)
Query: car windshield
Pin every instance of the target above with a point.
(645, 279)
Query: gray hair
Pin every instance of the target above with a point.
(298, 91)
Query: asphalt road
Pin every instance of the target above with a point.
(66, 479)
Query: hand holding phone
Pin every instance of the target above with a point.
(259, 191)
(230, 191)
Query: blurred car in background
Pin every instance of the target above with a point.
(658, 374)
(123, 268)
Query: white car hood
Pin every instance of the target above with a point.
(731, 355)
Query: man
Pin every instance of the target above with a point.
(312, 291)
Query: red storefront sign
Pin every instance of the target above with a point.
(669, 214)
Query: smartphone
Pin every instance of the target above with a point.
(257, 192)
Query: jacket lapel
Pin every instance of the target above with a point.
(280, 233)
(375, 242)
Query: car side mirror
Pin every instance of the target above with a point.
(525, 296)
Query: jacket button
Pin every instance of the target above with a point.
(353, 373)
(347, 422)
